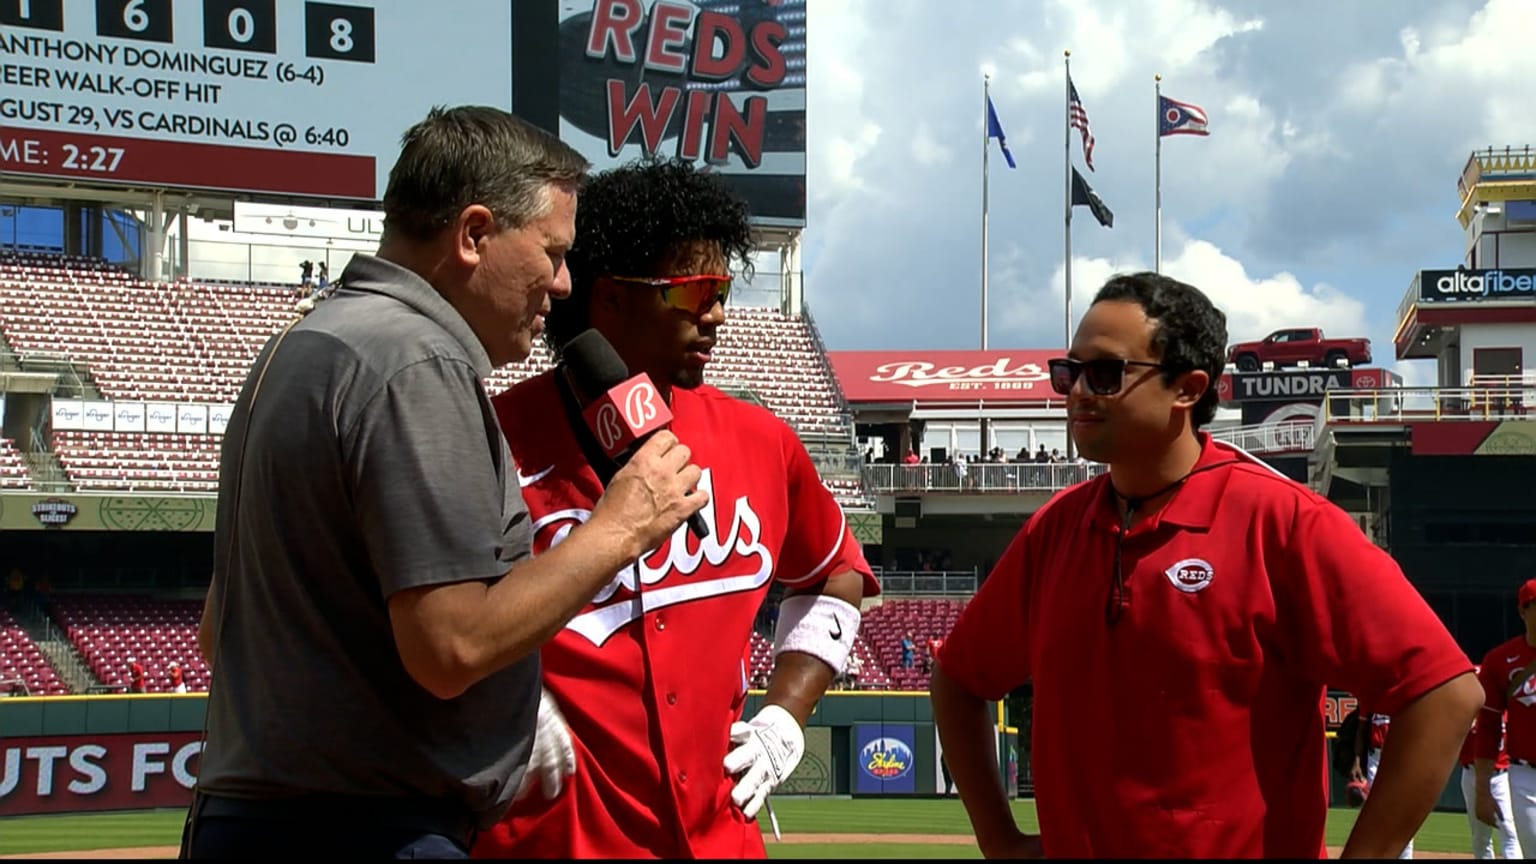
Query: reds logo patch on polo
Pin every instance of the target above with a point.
(1191, 575)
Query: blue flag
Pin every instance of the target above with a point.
(995, 130)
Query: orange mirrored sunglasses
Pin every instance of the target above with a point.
(696, 294)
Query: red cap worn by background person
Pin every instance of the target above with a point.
(1527, 592)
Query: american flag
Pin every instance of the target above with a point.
(1077, 118)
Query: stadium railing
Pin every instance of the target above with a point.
(1401, 404)
(958, 583)
(1004, 477)
(1288, 437)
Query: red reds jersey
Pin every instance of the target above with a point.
(1507, 668)
(1469, 748)
(1376, 731)
(1192, 726)
(653, 671)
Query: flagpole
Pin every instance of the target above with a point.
(1157, 109)
(1067, 155)
(1067, 63)
(985, 141)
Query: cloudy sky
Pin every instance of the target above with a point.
(1338, 131)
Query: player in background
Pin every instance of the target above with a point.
(664, 768)
(1180, 618)
(1368, 745)
(1508, 675)
(1482, 834)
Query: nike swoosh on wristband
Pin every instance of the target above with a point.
(837, 630)
(526, 480)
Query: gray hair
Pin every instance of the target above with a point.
(475, 154)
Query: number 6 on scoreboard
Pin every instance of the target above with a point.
(144, 20)
(336, 32)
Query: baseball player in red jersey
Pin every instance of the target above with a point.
(1482, 833)
(1179, 619)
(1508, 674)
(1368, 747)
(645, 687)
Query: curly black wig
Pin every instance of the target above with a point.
(1190, 332)
(630, 217)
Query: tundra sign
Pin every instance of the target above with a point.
(1450, 286)
(1300, 385)
(944, 376)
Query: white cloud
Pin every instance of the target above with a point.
(842, 132)
(1486, 66)
(926, 149)
(1254, 305)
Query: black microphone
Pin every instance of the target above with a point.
(620, 411)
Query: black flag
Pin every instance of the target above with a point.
(1084, 196)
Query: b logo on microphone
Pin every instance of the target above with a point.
(606, 427)
(626, 413)
(640, 405)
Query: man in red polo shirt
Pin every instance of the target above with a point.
(1180, 618)
(1508, 675)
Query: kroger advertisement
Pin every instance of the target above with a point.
(884, 759)
(1451, 286)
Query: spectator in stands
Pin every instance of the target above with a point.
(178, 684)
(908, 648)
(935, 642)
(853, 669)
(323, 281)
(373, 616)
(656, 241)
(911, 458)
(1180, 618)
(306, 276)
(136, 676)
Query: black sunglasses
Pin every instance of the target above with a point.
(1104, 375)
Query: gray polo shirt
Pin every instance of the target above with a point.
(374, 463)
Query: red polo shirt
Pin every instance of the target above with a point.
(1193, 727)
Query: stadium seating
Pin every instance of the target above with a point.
(139, 461)
(20, 660)
(107, 630)
(871, 676)
(195, 342)
(884, 625)
(13, 471)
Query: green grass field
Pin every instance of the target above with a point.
(1442, 832)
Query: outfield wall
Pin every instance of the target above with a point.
(69, 754)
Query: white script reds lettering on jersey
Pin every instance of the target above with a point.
(650, 674)
(733, 547)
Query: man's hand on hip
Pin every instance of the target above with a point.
(766, 751)
(554, 757)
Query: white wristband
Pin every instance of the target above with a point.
(816, 624)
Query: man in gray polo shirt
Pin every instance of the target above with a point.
(374, 618)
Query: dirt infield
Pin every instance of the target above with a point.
(936, 839)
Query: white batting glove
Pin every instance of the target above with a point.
(554, 757)
(767, 750)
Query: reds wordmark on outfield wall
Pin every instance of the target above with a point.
(245, 95)
(69, 773)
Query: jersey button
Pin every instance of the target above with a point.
(682, 776)
(661, 623)
(671, 698)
